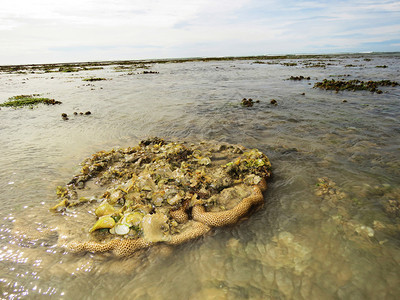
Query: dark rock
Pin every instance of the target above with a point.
(247, 102)
(150, 72)
(299, 78)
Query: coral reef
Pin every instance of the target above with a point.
(159, 192)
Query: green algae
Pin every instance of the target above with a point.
(94, 79)
(28, 100)
(143, 64)
(87, 66)
(123, 68)
(315, 65)
(354, 85)
(68, 69)
(50, 68)
(290, 64)
(165, 176)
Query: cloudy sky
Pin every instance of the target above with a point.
(45, 31)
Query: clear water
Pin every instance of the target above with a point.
(300, 245)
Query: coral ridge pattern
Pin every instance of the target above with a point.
(159, 192)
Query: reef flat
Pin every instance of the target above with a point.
(126, 221)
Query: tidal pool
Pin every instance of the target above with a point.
(330, 226)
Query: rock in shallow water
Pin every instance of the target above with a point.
(168, 184)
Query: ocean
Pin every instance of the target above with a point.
(330, 225)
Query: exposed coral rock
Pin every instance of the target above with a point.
(159, 192)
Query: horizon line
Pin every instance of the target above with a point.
(200, 58)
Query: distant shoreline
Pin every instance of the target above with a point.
(194, 59)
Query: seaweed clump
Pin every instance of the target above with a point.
(354, 85)
(150, 72)
(94, 79)
(289, 64)
(162, 191)
(298, 78)
(28, 100)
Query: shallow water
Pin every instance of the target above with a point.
(303, 245)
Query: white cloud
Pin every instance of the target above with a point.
(43, 30)
(115, 12)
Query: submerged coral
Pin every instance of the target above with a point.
(165, 192)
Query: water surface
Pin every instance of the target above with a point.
(303, 244)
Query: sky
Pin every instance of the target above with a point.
(51, 31)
